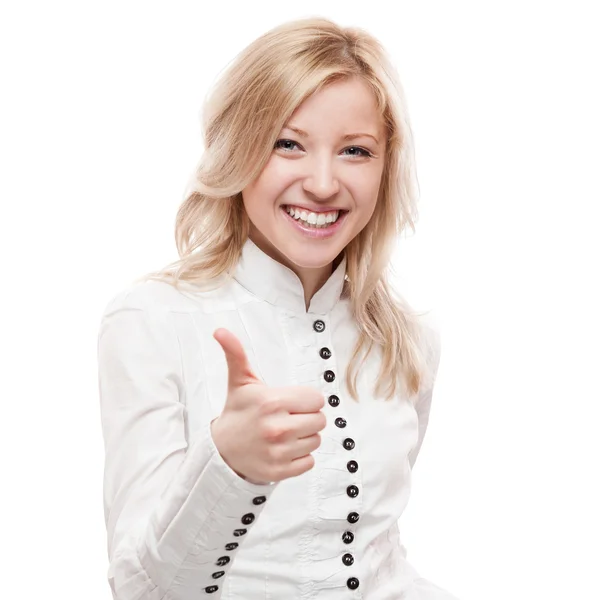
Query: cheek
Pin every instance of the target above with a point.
(365, 190)
(274, 177)
(257, 194)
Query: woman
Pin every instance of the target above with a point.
(264, 398)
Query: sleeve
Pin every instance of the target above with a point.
(175, 512)
(432, 339)
(420, 587)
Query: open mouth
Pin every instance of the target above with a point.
(313, 220)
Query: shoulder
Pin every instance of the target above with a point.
(137, 335)
(423, 322)
(151, 295)
(431, 332)
(430, 344)
(141, 295)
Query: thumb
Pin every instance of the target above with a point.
(238, 366)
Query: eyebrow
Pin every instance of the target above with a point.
(347, 137)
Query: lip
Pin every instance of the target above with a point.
(315, 209)
(313, 232)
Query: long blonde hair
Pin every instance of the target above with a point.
(242, 118)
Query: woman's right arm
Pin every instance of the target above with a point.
(174, 511)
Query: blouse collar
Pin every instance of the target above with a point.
(275, 283)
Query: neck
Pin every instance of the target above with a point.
(312, 279)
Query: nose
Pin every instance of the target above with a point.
(320, 180)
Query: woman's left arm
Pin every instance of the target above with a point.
(432, 339)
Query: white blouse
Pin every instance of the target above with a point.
(181, 524)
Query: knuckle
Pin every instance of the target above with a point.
(272, 430)
(268, 406)
(275, 455)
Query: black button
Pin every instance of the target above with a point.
(329, 376)
(319, 325)
(341, 423)
(352, 466)
(325, 353)
(218, 574)
(211, 588)
(222, 561)
(352, 491)
(334, 400)
(247, 519)
(348, 559)
(347, 537)
(349, 443)
(258, 500)
(239, 532)
(231, 546)
(352, 517)
(352, 583)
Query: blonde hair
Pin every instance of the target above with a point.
(242, 118)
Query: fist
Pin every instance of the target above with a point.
(265, 434)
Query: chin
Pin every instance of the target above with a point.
(311, 258)
(298, 253)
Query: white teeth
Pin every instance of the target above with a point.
(313, 219)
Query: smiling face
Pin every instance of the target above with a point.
(319, 172)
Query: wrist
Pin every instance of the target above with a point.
(216, 436)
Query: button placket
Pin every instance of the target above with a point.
(352, 490)
(349, 444)
(319, 325)
(325, 353)
(353, 583)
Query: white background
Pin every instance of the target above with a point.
(99, 134)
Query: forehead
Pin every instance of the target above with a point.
(342, 104)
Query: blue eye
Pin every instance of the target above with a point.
(279, 142)
(363, 151)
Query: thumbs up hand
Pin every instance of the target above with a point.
(265, 434)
